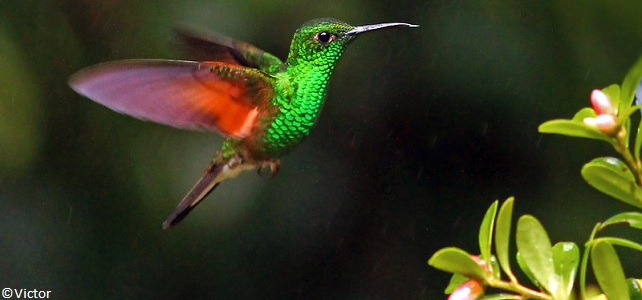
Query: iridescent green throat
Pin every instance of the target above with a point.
(300, 87)
(300, 97)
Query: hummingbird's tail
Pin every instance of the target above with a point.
(201, 189)
(215, 173)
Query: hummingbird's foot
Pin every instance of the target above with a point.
(235, 161)
(273, 164)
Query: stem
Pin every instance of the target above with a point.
(512, 278)
(584, 264)
(621, 147)
(516, 287)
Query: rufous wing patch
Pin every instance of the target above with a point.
(184, 94)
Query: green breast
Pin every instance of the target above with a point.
(299, 102)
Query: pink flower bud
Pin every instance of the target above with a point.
(604, 123)
(601, 103)
(469, 290)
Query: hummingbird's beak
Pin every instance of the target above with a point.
(364, 28)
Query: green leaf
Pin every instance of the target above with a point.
(608, 271)
(455, 260)
(633, 219)
(638, 142)
(613, 177)
(630, 84)
(486, 233)
(455, 281)
(502, 235)
(566, 258)
(627, 131)
(575, 127)
(584, 113)
(635, 290)
(625, 114)
(526, 270)
(534, 246)
(617, 241)
(497, 273)
(613, 92)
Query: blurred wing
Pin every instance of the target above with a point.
(184, 94)
(205, 46)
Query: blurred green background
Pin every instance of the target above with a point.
(422, 130)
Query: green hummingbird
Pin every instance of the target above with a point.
(262, 106)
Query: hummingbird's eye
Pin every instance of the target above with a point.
(325, 37)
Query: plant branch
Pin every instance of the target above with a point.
(622, 148)
(584, 263)
(514, 286)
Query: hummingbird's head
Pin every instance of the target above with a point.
(322, 41)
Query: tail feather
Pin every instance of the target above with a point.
(198, 192)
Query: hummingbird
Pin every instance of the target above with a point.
(262, 106)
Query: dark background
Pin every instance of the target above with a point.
(422, 129)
